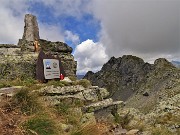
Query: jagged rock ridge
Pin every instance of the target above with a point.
(130, 79)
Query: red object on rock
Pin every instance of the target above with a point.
(61, 76)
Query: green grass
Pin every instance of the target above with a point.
(18, 82)
(161, 131)
(85, 83)
(72, 78)
(58, 83)
(27, 102)
(62, 108)
(40, 125)
(89, 129)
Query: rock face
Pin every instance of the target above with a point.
(127, 78)
(15, 66)
(63, 51)
(121, 73)
(31, 30)
(20, 60)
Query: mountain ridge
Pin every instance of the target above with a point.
(130, 79)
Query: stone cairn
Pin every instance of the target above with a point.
(21, 55)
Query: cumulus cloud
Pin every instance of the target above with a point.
(144, 28)
(11, 20)
(51, 32)
(90, 56)
(74, 38)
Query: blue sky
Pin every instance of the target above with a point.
(99, 29)
(85, 26)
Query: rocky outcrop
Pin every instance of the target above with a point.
(9, 49)
(94, 98)
(60, 49)
(164, 118)
(121, 76)
(90, 94)
(63, 51)
(140, 84)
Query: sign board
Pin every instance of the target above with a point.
(51, 68)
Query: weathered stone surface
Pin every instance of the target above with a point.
(54, 46)
(9, 91)
(9, 51)
(65, 127)
(88, 118)
(17, 66)
(100, 105)
(133, 132)
(162, 62)
(93, 98)
(165, 115)
(26, 46)
(56, 94)
(8, 46)
(31, 30)
(63, 51)
(51, 90)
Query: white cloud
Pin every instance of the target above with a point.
(11, 20)
(90, 56)
(146, 28)
(51, 32)
(74, 38)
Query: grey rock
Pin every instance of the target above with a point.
(66, 128)
(133, 132)
(31, 30)
(88, 118)
(54, 47)
(100, 105)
